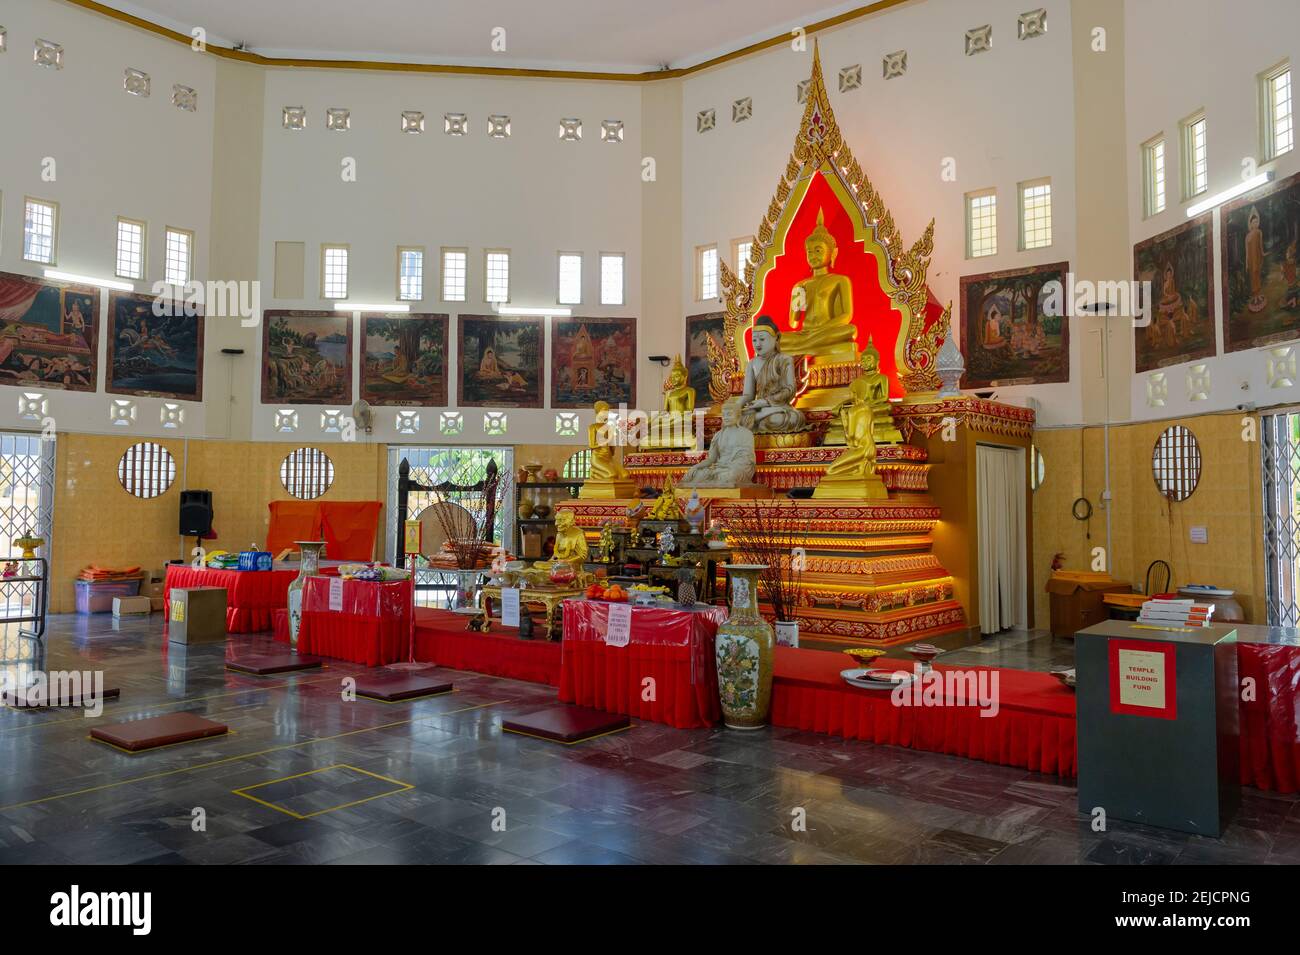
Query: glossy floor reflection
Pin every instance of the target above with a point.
(426, 781)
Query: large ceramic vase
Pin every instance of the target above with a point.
(743, 651)
(310, 553)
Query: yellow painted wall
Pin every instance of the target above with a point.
(97, 521)
(1144, 526)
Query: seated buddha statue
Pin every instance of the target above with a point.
(730, 460)
(570, 543)
(821, 306)
(875, 385)
(608, 478)
(671, 427)
(770, 384)
(852, 476)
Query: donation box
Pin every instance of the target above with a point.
(1157, 724)
(197, 615)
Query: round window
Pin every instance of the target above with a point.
(307, 473)
(146, 469)
(1176, 463)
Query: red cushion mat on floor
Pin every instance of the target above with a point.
(441, 638)
(156, 731)
(566, 724)
(1033, 728)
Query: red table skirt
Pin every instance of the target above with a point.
(1034, 726)
(372, 628)
(251, 596)
(441, 638)
(1270, 740)
(612, 679)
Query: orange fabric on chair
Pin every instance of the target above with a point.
(350, 528)
(292, 521)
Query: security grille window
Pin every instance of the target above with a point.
(307, 473)
(334, 272)
(1176, 463)
(578, 466)
(130, 249)
(26, 507)
(981, 223)
(1280, 459)
(146, 470)
(410, 274)
(611, 278)
(1153, 176)
(179, 256)
(454, 263)
(570, 292)
(496, 276)
(40, 230)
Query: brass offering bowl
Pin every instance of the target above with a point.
(864, 656)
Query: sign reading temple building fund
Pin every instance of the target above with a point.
(1142, 679)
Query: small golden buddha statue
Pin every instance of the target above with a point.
(608, 478)
(821, 306)
(672, 427)
(666, 508)
(852, 476)
(875, 385)
(570, 541)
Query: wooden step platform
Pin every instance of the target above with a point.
(135, 736)
(395, 686)
(567, 724)
(36, 698)
(265, 664)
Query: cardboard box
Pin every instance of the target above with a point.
(151, 588)
(126, 606)
(197, 615)
(156, 603)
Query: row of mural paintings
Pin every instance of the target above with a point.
(1008, 337)
(308, 360)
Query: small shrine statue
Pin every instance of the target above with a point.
(606, 545)
(608, 478)
(666, 508)
(821, 306)
(876, 389)
(672, 427)
(570, 542)
(730, 461)
(694, 512)
(852, 476)
(770, 384)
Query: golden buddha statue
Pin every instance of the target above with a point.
(570, 541)
(672, 427)
(875, 386)
(665, 507)
(608, 478)
(821, 306)
(852, 476)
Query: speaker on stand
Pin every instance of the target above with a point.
(196, 515)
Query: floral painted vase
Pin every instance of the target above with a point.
(743, 651)
(311, 553)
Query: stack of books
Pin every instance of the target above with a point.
(1183, 612)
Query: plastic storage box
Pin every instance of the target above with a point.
(97, 596)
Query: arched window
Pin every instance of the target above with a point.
(578, 467)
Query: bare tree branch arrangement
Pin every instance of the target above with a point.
(772, 535)
(470, 544)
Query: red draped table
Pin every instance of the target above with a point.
(251, 595)
(369, 622)
(1032, 728)
(671, 647)
(1270, 712)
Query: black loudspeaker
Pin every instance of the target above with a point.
(196, 513)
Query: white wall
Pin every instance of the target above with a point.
(530, 193)
(1004, 116)
(1185, 55)
(115, 155)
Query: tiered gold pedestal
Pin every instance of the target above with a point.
(870, 578)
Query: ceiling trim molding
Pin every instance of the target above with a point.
(257, 59)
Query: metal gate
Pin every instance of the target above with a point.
(1280, 447)
(26, 504)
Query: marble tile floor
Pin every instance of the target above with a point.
(650, 795)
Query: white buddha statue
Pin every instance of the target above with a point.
(731, 460)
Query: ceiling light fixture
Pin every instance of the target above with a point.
(1245, 186)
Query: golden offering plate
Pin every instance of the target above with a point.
(863, 656)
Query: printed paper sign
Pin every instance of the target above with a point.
(619, 631)
(336, 593)
(412, 538)
(178, 610)
(1143, 679)
(509, 606)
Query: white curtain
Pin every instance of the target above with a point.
(1000, 490)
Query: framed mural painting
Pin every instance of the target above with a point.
(1179, 264)
(1009, 332)
(404, 359)
(306, 357)
(49, 335)
(152, 355)
(699, 329)
(1261, 290)
(593, 359)
(500, 362)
